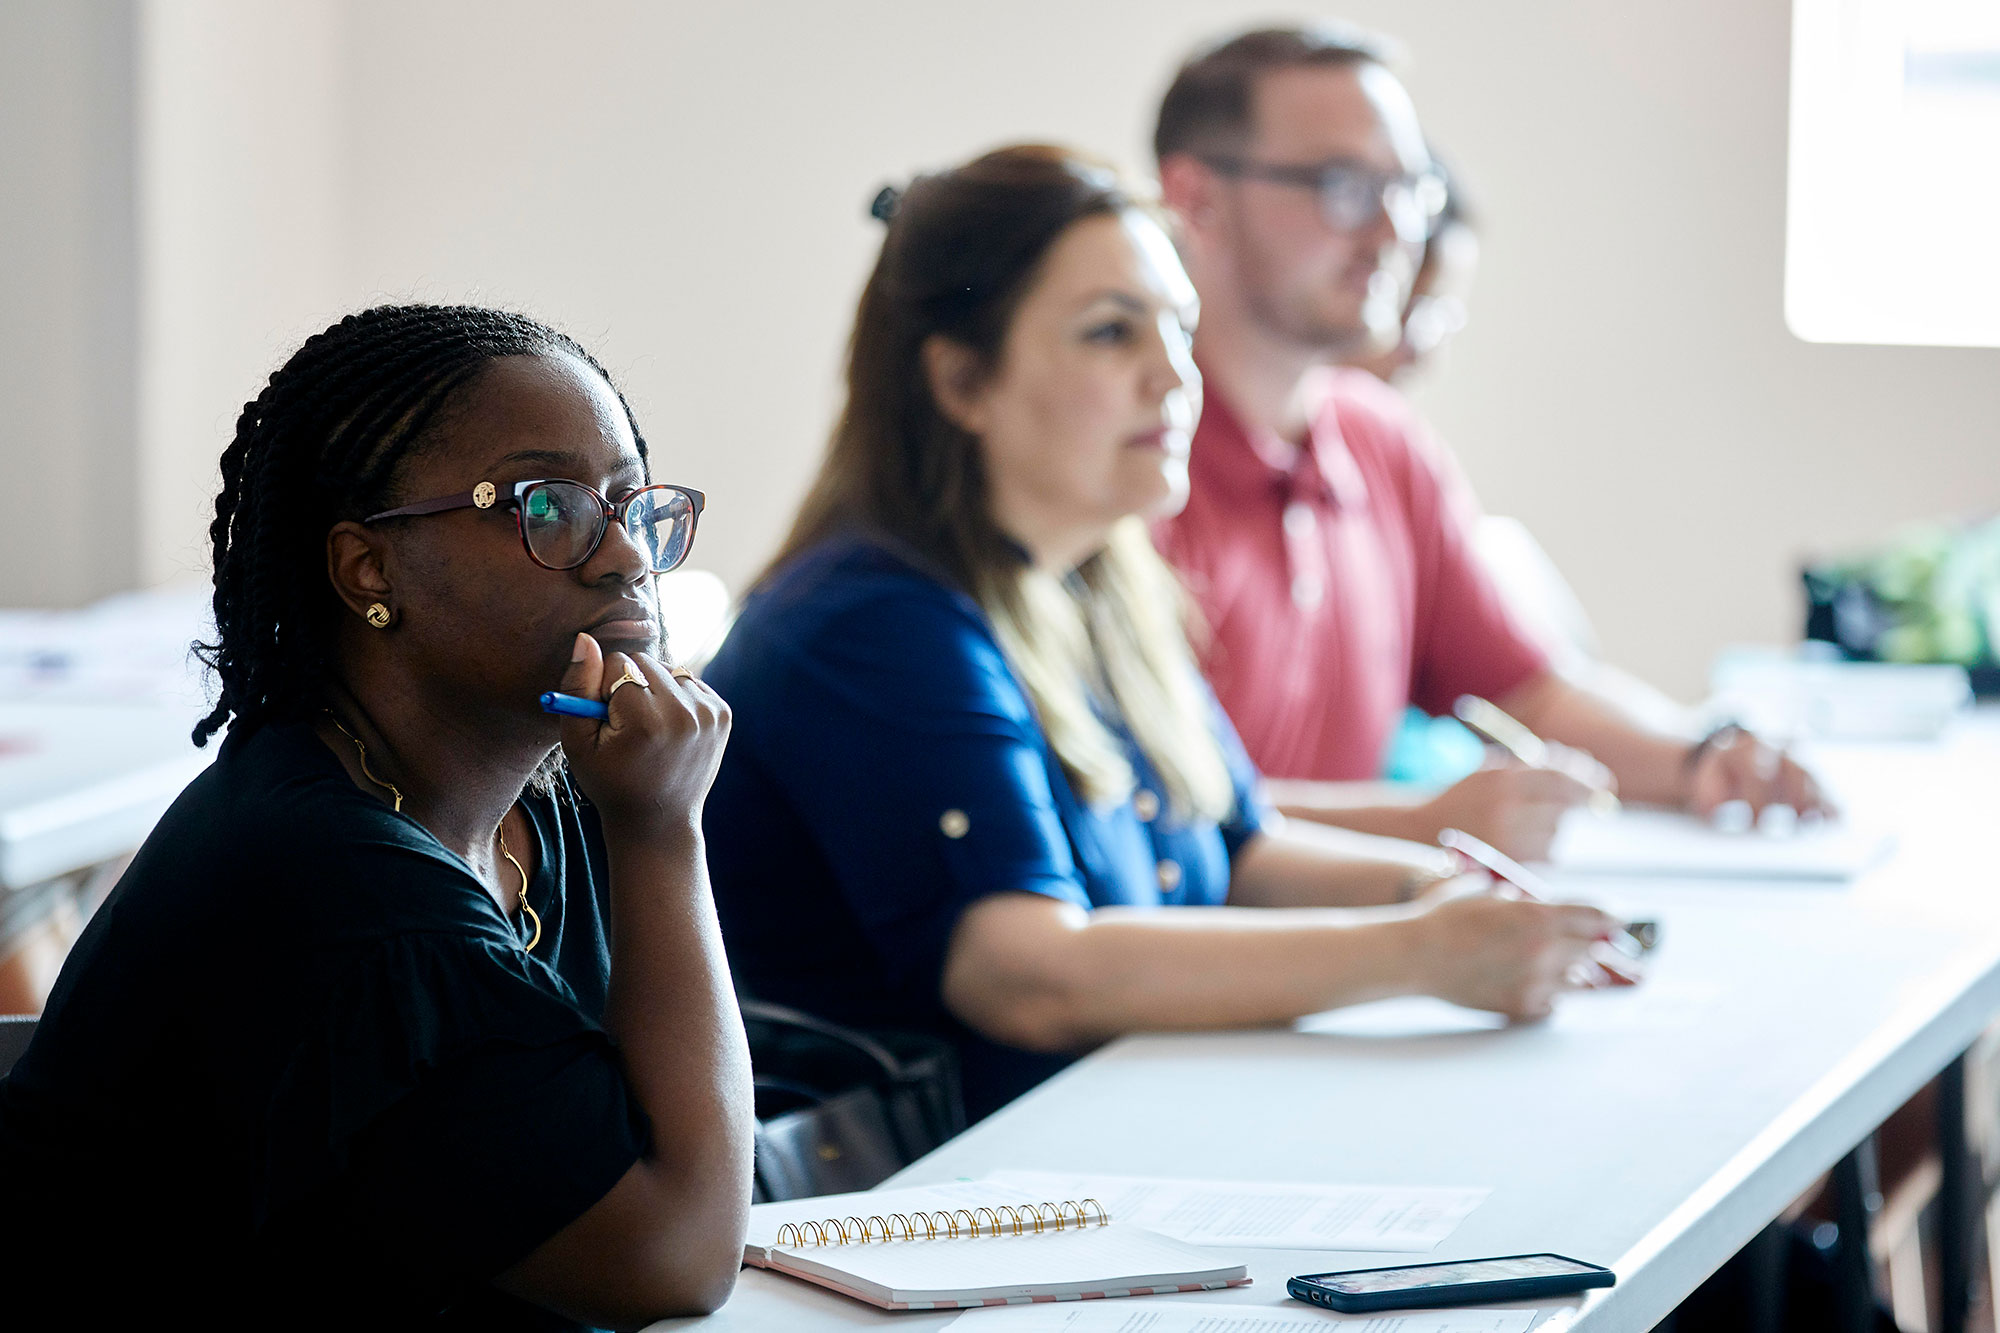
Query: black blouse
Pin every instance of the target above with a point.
(300, 1070)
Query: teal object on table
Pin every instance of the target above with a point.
(1433, 751)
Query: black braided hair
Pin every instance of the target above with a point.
(326, 441)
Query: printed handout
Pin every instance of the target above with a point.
(1265, 1215)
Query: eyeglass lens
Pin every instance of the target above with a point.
(563, 523)
(662, 523)
(1349, 199)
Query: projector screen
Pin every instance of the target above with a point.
(1893, 205)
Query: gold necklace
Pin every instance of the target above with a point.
(534, 917)
(366, 771)
(521, 898)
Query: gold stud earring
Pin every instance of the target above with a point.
(378, 615)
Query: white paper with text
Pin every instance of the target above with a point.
(1266, 1215)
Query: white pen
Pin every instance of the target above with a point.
(1492, 723)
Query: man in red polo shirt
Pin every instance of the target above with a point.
(1328, 534)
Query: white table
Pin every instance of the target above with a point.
(82, 783)
(96, 706)
(95, 709)
(1656, 1131)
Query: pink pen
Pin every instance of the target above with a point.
(1635, 939)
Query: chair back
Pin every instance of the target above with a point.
(839, 1109)
(16, 1031)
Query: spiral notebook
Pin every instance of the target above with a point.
(952, 1247)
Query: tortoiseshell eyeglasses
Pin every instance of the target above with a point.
(562, 523)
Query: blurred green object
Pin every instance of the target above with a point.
(1931, 593)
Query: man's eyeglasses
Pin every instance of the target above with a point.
(1431, 321)
(562, 523)
(1350, 196)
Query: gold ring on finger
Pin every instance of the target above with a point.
(629, 678)
(680, 673)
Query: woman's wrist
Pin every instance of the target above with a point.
(1420, 955)
(667, 838)
(1418, 822)
(1383, 959)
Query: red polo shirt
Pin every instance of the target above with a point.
(1339, 585)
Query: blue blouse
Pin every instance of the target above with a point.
(886, 771)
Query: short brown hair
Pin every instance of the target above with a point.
(1207, 107)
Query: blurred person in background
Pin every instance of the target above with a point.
(1328, 535)
(977, 786)
(1435, 309)
(1438, 750)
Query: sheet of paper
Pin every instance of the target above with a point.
(1662, 842)
(1404, 1016)
(1266, 1215)
(1181, 1316)
(1655, 1006)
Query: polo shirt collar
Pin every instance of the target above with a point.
(1323, 468)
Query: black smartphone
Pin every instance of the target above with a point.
(1513, 1277)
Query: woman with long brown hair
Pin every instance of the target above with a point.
(973, 760)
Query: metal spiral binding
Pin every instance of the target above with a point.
(958, 1224)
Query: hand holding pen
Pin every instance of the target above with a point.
(1626, 946)
(643, 738)
(1515, 808)
(599, 710)
(1496, 726)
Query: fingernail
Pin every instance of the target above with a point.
(577, 651)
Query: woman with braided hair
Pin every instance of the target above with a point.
(412, 1012)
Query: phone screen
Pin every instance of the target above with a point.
(1453, 1275)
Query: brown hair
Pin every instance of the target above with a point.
(1207, 107)
(963, 248)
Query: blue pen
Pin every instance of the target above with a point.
(571, 706)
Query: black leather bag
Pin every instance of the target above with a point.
(839, 1109)
(16, 1031)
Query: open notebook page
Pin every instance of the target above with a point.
(1098, 1260)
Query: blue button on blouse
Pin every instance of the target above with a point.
(885, 772)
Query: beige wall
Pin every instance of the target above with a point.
(683, 186)
(243, 215)
(67, 347)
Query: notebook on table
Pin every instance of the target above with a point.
(960, 1246)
